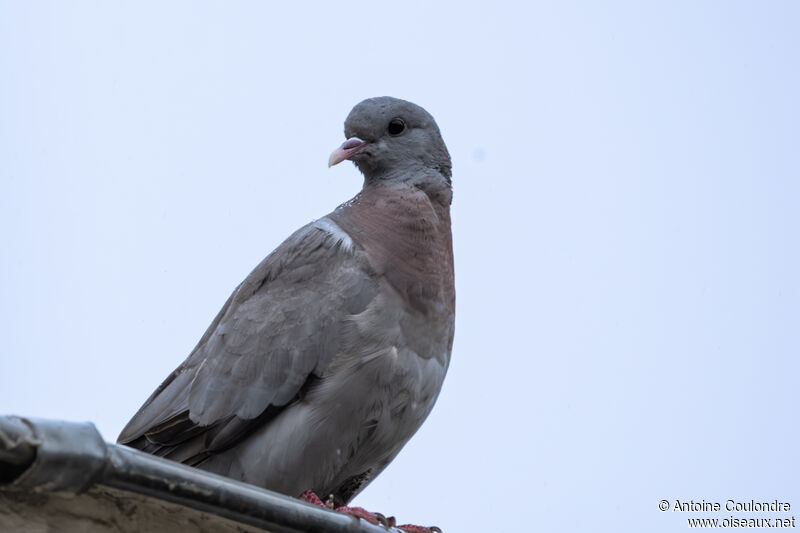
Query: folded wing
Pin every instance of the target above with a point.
(273, 339)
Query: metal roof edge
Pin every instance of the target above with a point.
(38, 455)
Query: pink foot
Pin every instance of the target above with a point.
(411, 528)
(359, 512)
(310, 497)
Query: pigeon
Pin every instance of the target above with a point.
(329, 356)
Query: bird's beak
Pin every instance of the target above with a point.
(346, 150)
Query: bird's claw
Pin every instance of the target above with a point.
(385, 522)
(329, 503)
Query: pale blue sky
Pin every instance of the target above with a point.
(625, 221)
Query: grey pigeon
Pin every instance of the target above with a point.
(328, 357)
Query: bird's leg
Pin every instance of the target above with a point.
(358, 512)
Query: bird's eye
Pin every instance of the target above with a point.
(396, 126)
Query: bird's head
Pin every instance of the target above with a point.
(390, 139)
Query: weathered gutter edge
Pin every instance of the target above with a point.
(39, 455)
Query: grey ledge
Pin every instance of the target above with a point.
(62, 476)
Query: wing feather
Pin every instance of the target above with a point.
(278, 331)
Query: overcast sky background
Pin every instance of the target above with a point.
(626, 220)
